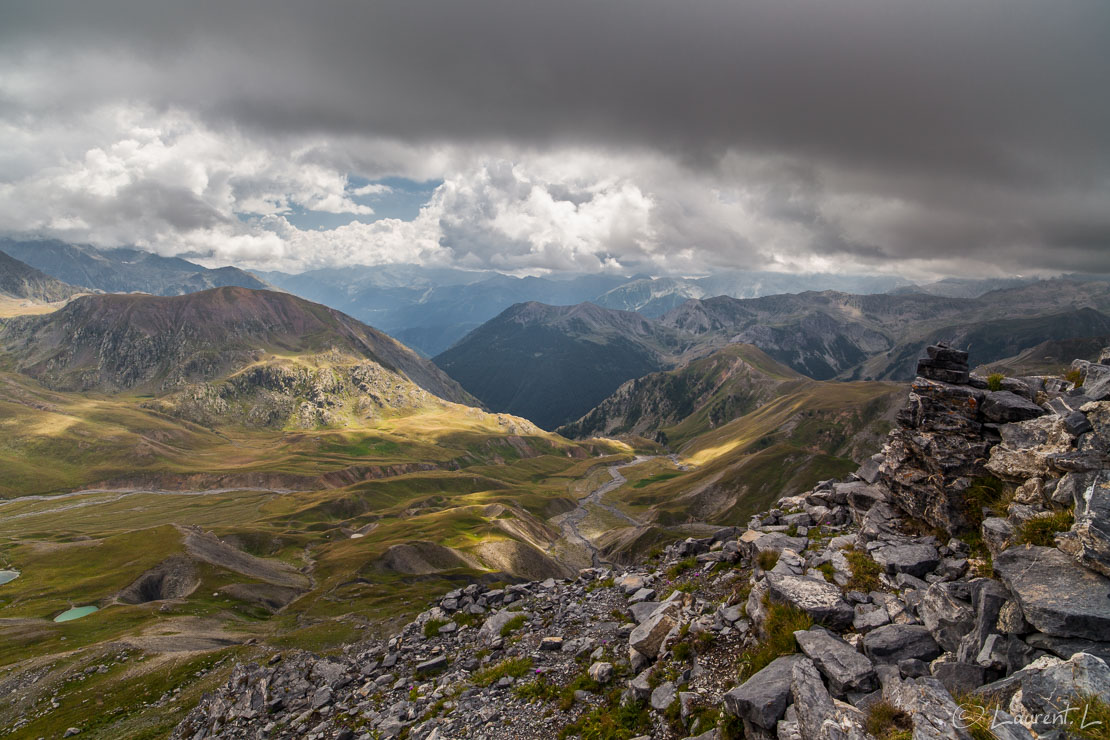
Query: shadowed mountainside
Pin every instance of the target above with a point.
(19, 280)
(551, 364)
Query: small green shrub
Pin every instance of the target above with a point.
(681, 567)
(1075, 377)
(1042, 530)
(464, 619)
(513, 625)
(538, 690)
(604, 583)
(612, 721)
(431, 627)
(988, 493)
(994, 381)
(581, 682)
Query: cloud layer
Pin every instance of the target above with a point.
(923, 138)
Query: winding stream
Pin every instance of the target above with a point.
(570, 522)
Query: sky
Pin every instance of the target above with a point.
(925, 139)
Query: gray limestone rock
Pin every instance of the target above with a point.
(649, 634)
(915, 559)
(930, 706)
(1003, 407)
(957, 677)
(946, 615)
(601, 672)
(1090, 544)
(1057, 595)
(895, 642)
(823, 601)
(818, 716)
(1046, 691)
(763, 698)
(846, 669)
(663, 696)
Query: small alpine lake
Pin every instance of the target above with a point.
(76, 613)
(7, 576)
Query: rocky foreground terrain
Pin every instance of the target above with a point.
(956, 586)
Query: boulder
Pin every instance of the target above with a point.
(763, 698)
(601, 672)
(648, 636)
(1029, 449)
(945, 364)
(1003, 407)
(1005, 653)
(1090, 543)
(818, 716)
(663, 696)
(818, 598)
(957, 677)
(934, 712)
(1066, 647)
(1057, 595)
(846, 668)
(946, 615)
(641, 685)
(491, 628)
(1046, 691)
(895, 642)
(997, 533)
(990, 598)
(754, 543)
(915, 559)
(931, 459)
(643, 610)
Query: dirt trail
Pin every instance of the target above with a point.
(571, 520)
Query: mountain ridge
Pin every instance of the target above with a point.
(130, 342)
(125, 269)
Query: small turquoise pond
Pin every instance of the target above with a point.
(75, 613)
(7, 576)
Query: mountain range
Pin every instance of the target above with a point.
(534, 360)
(124, 270)
(237, 471)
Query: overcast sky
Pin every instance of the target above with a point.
(947, 137)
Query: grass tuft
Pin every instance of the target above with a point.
(513, 625)
(865, 571)
(783, 620)
(513, 667)
(1042, 530)
(767, 559)
(887, 722)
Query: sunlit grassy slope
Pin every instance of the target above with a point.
(815, 431)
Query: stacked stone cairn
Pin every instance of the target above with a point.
(959, 580)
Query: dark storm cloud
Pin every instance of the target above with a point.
(988, 121)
